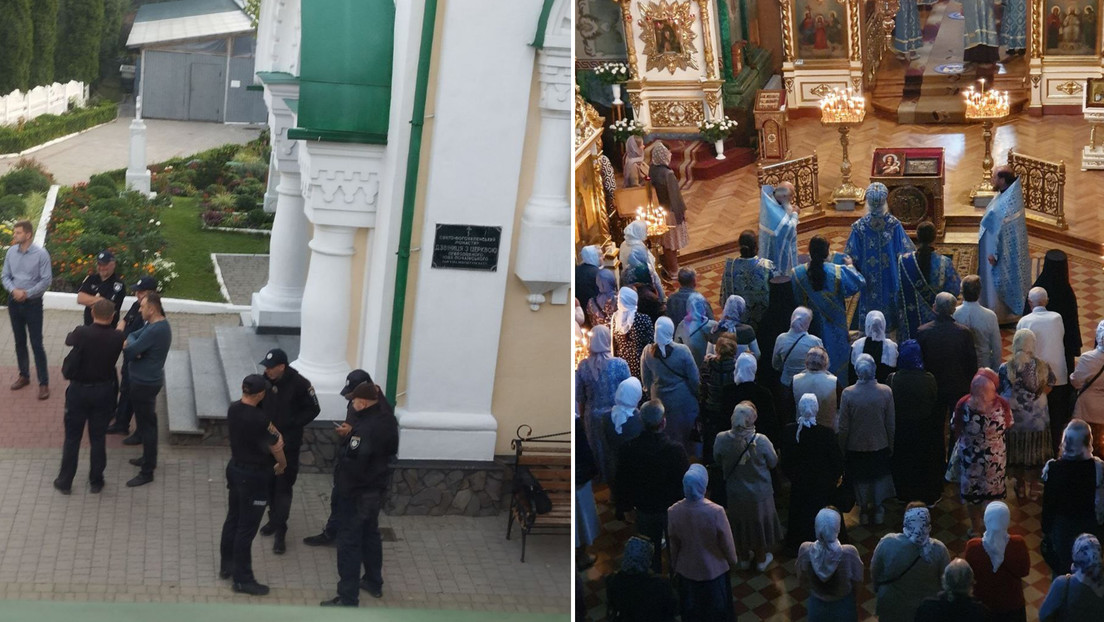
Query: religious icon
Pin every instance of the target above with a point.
(820, 29)
(666, 37)
(1094, 93)
(890, 164)
(1070, 28)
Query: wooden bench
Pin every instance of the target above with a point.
(548, 458)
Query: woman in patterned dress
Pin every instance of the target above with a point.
(596, 379)
(1025, 380)
(748, 276)
(601, 307)
(980, 422)
(632, 331)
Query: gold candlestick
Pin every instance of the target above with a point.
(844, 110)
(988, 107)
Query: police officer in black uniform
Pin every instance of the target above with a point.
(329, 532)
(256, 457)
(104, 284)
(290, 405)
(362, 475)
(90, 396)
(131, 322)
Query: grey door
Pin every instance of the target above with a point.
(206, 91)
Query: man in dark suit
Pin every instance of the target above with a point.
(949, 354)
(649, 477)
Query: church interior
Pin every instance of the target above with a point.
(832, 95)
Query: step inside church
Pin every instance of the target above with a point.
(839, 328)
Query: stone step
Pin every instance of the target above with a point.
(211, 396)
(240, 348)
(180, 394)
(247, 319)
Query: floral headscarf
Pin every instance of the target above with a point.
(661, 155)
(697, 312)
(734, 309)
(917, 528)
(607, 287)
(627, 300)
(1100, 336)
(1087, 561)
(743, 424)
(909, 355)
(1023, 352)
(638, 556)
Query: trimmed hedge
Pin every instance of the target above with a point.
(16, 138)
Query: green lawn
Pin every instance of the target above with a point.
(190, 247)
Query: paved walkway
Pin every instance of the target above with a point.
(242, 275)
(159, 543)
(107, 147)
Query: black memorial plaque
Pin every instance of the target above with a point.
(467, 247)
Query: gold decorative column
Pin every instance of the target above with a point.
(988, 107)
(844, 110)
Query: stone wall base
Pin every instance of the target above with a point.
(418, 487)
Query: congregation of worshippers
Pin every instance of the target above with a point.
(863, 383)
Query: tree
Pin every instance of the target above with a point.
(45, 38)
(109, 40)
(17, 45)
(80, 28)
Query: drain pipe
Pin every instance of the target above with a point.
(413, 159)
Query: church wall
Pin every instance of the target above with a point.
(533, 374)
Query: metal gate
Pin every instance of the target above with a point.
(206, 90)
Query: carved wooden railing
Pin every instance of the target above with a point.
(875, 44)
(802, 173)
(1044, 188)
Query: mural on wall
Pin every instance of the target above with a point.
(1071, 27)
(599, 33)
(667, 31)
(820, 29)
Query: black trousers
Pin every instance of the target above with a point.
(1058, 405)
(144, 399)
(358, 543)
(124, 410)
(279, 500)
(86, 404)
(332, 523)
(248, 488)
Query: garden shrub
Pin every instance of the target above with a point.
(258, 219)
(24, 180)
(101, 191)
(12, 207)
(16, 138)
(105, 180)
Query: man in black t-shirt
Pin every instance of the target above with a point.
(130, 322)
(104, 284)
(256, 456)
(90, 396)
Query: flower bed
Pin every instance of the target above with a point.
(89, 218)
(44, 128)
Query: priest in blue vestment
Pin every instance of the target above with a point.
(877, 240)
(981, 39)
(1013, 26)
(907, 37)
(924, 273)
(1004, 262)
(825, 287)
(778, 227)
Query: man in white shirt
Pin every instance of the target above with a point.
(1050, 346)
(982, 323)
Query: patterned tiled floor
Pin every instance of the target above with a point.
(775, 595)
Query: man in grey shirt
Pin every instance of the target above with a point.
(982, 324)
(26, 276)
(146, 350)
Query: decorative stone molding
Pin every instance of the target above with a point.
(278, 32)
(340, 182)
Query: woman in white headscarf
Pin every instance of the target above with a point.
(1090, 387)
(695, 327)
(1025, 381)
(731, 321)
(668, 371)
(636, 238)
(789, 353)
(1073, 495)
(907, 567)
(866, 434)
(1079, 595)
(623, 423)
(634, 168)
(590, 262)
(702, 551)
(816, 379)
(669, 196)
(638, 274)
(747, 389)
(1001, 562)
(597, 377)
(832, 572)
(877, 345)
(632, 331)
(813, 462)
(746, 459)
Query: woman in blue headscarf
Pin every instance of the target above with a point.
(732, 321)
(694, 329)
(596, 379)
(668, 371)
(702, 551)
(604, 304)
(634, 593)
(918, 465)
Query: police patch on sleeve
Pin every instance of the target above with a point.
(118, 286)
(354, 442)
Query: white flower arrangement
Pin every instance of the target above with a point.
(612, 73)
(716, 129)
(625, 128)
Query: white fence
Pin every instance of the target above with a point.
(52, 99)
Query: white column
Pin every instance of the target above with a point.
(543, 259)
(137, 175)
(326, 304)
(276, 308)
